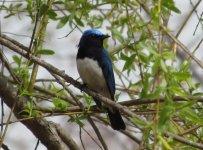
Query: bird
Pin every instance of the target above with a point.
(96, 71)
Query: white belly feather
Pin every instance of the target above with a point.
(92, 75)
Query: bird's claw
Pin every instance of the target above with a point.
(82, 86)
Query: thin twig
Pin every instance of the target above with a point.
(98, 133)
(7, 123)
(190, 130)
(183, 140)
(92, 138)
(187, 18)
(198, 23)
(34, 30)
(9, 68)
(196, 48)
(69, 32)
(80, 135)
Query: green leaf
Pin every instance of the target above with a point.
(190, 115)
(185, 66)
(123, 56)
(168, 55)
(60, 104)
(78, 21)
(29, 104)
(148, 47)
(165, 143)
(188, 104)
(165, 115)
(78, 119)
(146, 133)
(17, 60)
(45, 52)
(24, 92)
(163, 66)
(117, 35)
(62, 22)
(36, 113)
(27, 111)
(156, 93)
(170, 5)
(178, 92)
(198, 94)
(155, 66)
(155, 16)
(9, 15)
(88, 100)
(138, 121)
(17, 6)
(144, 58)
(181, 75)
(43, 10)
(129, 62)
(52, 14)
(145, 89)
(96, 21)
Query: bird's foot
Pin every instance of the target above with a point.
(82, 86)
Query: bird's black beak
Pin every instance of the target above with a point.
(105, 36)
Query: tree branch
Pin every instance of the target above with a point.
(47, 132)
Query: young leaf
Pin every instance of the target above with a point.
(62, 22)
(156, 93)
(129, 62)
(17, 60)
(45, 52)
(43, 10)
(60, 104)
(170, 5)
(190, 115)
(163, 66)
(181, 75)
(52, 15)
(165, 143)
(117, 35)
(78, 21)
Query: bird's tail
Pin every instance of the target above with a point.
(116, 120)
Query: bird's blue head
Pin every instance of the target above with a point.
(92, 32)
(92, 36)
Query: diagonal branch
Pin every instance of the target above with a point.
(47, 132)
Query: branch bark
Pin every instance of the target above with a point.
(49, 133)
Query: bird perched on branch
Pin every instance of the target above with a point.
(95, 68)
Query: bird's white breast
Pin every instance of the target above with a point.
(92, 75)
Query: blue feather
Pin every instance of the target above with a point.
(92, 32)
(107, 69)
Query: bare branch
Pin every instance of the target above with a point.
(46, 131)
(183, 140)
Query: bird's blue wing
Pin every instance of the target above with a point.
(107, 68)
